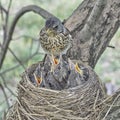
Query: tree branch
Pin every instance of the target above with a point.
(105, 26)
(4, 82)
(79, 16)
(14, 56)
(6, 20)
(20, 13)
(95, 14)
(2, 8)
(17, 65)
(2, 88)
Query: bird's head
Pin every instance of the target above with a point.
(53, 26)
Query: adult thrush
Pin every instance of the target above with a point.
(55, 39)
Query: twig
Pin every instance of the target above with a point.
(88, 28)
(6, 20)
(8, 97)
(20, 13)
(110, 46)
(2, 8)
(17, 58)
(111, 107)
(97, 95)
(5, 95)
(24, 36)
(4, 82)
(9, 5)
(14, 56)
(18, 65)
(1, 11)
(9, 69)
(14, 67)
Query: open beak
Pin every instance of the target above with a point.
(77, 68)
(38, 79)
(55, 60)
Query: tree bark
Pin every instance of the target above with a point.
(101, 32)
(92, 26)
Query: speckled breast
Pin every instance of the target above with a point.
(55, 45)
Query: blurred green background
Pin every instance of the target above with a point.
(25, 44)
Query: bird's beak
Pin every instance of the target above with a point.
(77, 68)
(48, 31)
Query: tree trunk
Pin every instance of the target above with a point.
(89, 47)
(92, 26)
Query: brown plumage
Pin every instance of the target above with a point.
(55, 39)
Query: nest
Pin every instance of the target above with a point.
(83, 102)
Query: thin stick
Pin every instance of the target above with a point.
(7, 20)
(5, 95)
(14, 67)
(111, 107)
(20, 13)
(4, 82)
(20, 62)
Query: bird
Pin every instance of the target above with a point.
(79, 67)
(55, 39)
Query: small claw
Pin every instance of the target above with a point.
(77, 68)
(38, 79)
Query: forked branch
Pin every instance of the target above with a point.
(88, 28)
(20, 13)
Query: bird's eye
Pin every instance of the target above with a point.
(55, 27)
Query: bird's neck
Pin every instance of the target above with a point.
(52, 33)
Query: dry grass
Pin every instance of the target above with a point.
(84, 102)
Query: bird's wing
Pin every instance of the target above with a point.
(66, 31)
(42, 31)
